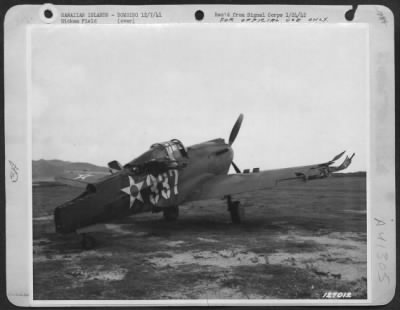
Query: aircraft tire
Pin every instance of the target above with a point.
(88, 242)
(237, 213)
(171, 214)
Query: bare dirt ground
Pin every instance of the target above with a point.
(298, 241)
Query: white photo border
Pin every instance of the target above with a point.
(381, 237)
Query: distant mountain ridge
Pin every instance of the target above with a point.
(46, 170)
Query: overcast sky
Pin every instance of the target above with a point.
(109, 92)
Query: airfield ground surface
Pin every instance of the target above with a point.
(298, 241)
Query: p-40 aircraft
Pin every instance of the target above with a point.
(166, 176)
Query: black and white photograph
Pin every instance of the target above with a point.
(160, 163)
(199, 161)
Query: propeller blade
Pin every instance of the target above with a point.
(236, 168)
(235, 129)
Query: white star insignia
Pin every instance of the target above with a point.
(83, 176)
(133, 190)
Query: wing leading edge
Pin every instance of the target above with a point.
(222, 185)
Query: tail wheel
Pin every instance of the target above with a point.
(237, 213)
(171, 214)
(88, 242)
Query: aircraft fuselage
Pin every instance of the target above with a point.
(152, 187)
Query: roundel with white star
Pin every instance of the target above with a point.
(133, 190)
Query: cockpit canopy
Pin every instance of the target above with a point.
(169, 151)
(174, 149)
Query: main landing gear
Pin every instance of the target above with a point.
(171, 213)
(237, 212)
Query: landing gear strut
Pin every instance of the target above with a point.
(87, 242)
(237, 213)
(171, 213)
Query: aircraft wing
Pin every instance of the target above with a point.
(223, 185)
(80, 178)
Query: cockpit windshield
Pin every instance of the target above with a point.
(174, 149)
(171, 150)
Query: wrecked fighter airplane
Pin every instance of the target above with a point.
(166, 176)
